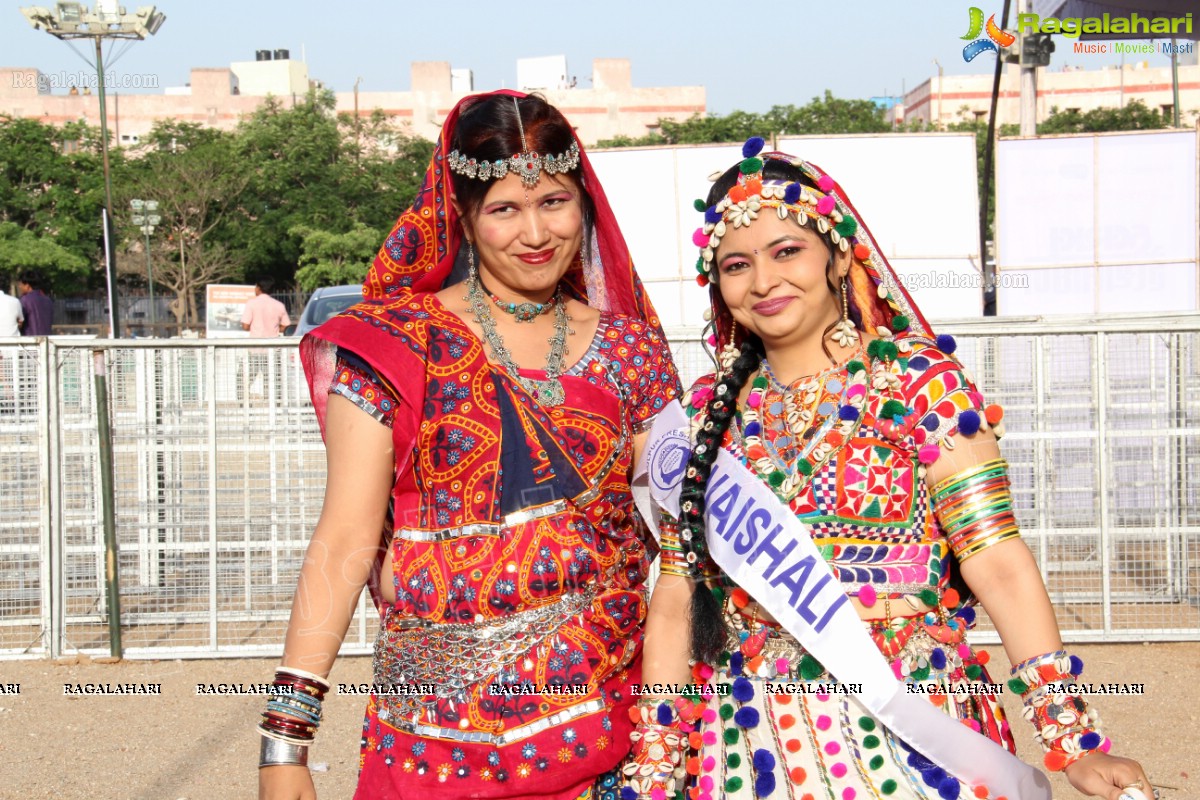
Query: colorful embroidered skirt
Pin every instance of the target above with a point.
(785, 729)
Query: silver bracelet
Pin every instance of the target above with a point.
(275, 753)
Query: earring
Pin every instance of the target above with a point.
(472, 273)
(844, 332)
(730, 352)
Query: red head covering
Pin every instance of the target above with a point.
(420, 252)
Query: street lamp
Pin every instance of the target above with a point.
(108, 21)
(146, 220)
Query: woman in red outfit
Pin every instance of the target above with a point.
(482, 408)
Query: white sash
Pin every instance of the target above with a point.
(766, 550)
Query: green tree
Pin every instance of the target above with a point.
(1134, 116)
(21, 248)
(51, 184)
(331, 259)
(821, 115)
(826, 115)
(194, 175)
(309, 168)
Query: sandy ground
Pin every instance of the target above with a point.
(179, 745)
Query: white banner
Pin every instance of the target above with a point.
(766, 550)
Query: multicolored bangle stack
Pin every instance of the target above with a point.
(974, 508)
(674, 557)
(292, 717)
(1065, 727)
(663, 732)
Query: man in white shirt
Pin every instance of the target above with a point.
(11, 315)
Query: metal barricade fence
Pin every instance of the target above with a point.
(219, 479)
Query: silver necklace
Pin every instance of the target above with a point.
(549, 392)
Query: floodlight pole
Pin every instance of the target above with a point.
(114, 313)
(73, 22)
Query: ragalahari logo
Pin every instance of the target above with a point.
(997, 38)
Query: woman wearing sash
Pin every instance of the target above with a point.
(482, 408)
(836, 402)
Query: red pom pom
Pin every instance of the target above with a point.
(702, 281)
(737, 194)
(1055, 761)
(993, 414)
(862, 252)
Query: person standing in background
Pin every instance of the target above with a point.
(265, 317)
(36, 305)
(11, 316)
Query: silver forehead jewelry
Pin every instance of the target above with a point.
(527, 164)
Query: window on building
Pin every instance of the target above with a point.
(1168, 110)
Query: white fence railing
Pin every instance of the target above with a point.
(219, 477)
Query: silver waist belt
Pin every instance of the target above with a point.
(452, 658)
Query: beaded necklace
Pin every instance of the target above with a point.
(815, 440)
(524, 312)
(548, 392)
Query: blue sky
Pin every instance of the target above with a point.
(748, 56)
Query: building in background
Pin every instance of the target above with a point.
(957, 98)
(220, 97)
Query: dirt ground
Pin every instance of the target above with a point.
(181, 746)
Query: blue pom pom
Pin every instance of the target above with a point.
(747, 717)
(735, 664)
(792, 193)
(628, 793)
(753, 147)
(918, 363)
(966, 614)
(1090, 740)
(753, 429)
(712, 215)
(743, 690)
(933, 776)
(1076, 667)
(665, 715)
(919, 762)
(946, 343)
(968, 422)
(937, 659)
(931, 422)
(764, 761)
(764, 784)
(948, 789)
(848, 413)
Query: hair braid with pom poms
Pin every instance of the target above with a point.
(707, 623)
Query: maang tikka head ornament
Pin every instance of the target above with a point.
(529, 165)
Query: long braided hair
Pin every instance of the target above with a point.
(708, 629)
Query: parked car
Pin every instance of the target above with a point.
(325, 303)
